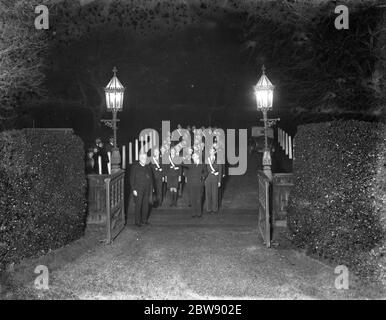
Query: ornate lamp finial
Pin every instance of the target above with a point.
(263, 69)
(115, 70)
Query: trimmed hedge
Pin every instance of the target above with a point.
(337, 208)
(42, 192)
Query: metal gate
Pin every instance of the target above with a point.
(265, 219)
(115, 205)
(282, 185)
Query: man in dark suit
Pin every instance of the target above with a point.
(90, 162)
(187, 161)
(110, 145)
(99, 151)
(141, 182)
(212, 183)
(158, 175)
(195, 176)
(223, 180)
(96, 154)
(105, 158)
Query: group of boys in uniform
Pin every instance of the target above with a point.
(99, 149)
(200, 179)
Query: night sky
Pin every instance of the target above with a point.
(189, 75)
(196, 65)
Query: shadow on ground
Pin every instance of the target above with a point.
(179, 257)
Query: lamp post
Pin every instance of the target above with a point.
(264, 99)
(114, 102)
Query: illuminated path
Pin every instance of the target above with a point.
(178, 257)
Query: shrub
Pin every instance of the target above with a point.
(337, 208)
(42, 191)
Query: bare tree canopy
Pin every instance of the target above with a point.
(315, 67)
(21, 55)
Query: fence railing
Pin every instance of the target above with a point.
(115, 205)
(286, 142)
(272, 203)
(145, 142)
(264, 220)
(96, 199)
(282, 184)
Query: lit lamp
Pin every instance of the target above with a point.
(114, 102)
(264, 99)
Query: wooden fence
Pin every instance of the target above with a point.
(264, 199)
(282, 184)
(272, 203)
(144, 143)
(286, 142)
(96, 199)
(115, 205)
